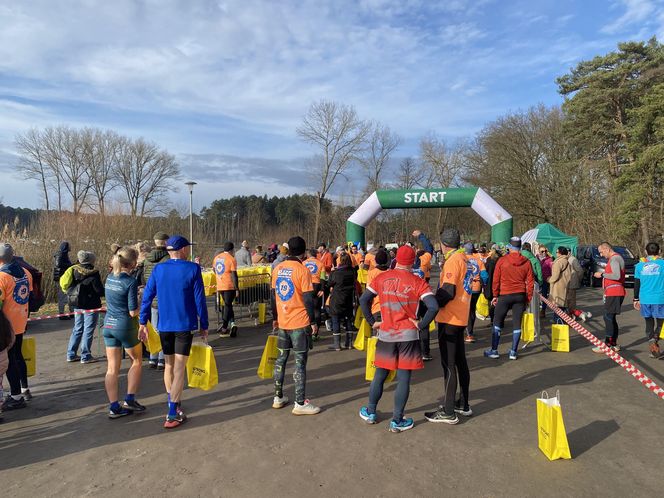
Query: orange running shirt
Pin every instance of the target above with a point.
(315, 267)
(475, 260)
(15, 296)
(458, 272)
(290, 280)
(375, 305)
(370, 260)
(359, 258)
(224, 264)
(327, 261)
(425, 264)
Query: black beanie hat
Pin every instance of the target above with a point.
(450, 237)
(296, 246)
(381, 257)
(229, 246)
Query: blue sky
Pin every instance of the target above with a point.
(224, 84)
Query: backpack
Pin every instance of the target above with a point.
(81, 292)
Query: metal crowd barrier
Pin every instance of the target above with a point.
(254, 290)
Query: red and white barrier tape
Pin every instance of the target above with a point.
(647, 382)
(46, 317)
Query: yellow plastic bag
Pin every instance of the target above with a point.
(270, 352)
(202, 367)
(371, 356)
(552, 438)
(262, 309)
(154, 342)
(482, 308)
(433, 326)
(560, 338)
(359, 316)
(661, 333)
(363, 334)
(29, 352)
(528, 327)
(210, 283)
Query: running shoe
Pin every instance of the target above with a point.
(491, 353)
(133, 406)
(588, 314)
(466, 411)
(469, 339)
(223, 332)
(90, 359)
(278, 402)
(654, 350)
(616, 348)
(233, 330)
(307, 408)
(582, 316)
(27, 395)
(161, 365)
(512, 354)
(369, 418)
(403, 425)
(427, 357)
(122, 412)
(72, 359)
(598, 349)
(152, 364)
(13, 404)
(440, 417)
(176, 421)
(328, 325)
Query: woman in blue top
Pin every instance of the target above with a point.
(121, 331)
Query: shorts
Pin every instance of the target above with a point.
(612, 304)
(652, 310)
(121, 338)
(176, 342)
(405, 355)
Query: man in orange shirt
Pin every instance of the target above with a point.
(315, 267)
(225, 269)
(325, 257)
(370, 259)
(479, 281)
(294, 317)
(381, 261)
(15, 288)
(356, 255)
(453, 296)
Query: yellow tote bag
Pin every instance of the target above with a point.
(661, 333)
(358, 318)
(364, 333)
(433, 326)
(202, 367)
(552, 438)
(528, 327)
(29, 352)
(560, 338)
(270, 352)
(482, 308)
(371, 356)
(262, 309)
(154, 342)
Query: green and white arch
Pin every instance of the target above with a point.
(476, 198)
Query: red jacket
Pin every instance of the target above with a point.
(513, 275)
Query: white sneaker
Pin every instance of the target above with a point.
(328, 325)
(305, 409)
(278, 402)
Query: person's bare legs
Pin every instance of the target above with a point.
(169, 361)
(177, 380)
(136, 369)
(114, 360)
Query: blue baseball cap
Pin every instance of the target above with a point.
(177, 242)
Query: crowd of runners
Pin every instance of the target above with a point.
(312, 289)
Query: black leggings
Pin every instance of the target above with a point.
(453, 360)
(514, 302)
(317, 304)
(401, 393)
(474, 297)
(228, 315)
(652, 331)
(17, 372)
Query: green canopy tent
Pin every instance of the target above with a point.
(548, 235)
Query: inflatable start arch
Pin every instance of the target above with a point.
(473, 197)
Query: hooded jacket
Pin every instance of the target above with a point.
(561, 274)
(61, 261)
(156, 256)
(513, 275)
(92, 288)
(537, 268)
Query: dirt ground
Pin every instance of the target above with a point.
(234, 444)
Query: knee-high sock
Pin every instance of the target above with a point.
(495, 337)
(516, 336)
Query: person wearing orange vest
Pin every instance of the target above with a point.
(225, 269)
(613, 282)
(315, 267)
(15, 288)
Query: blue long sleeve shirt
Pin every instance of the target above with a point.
(178, 285)
(426, 245)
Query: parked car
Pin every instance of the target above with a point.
(592, 262)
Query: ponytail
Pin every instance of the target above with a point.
(124, 258)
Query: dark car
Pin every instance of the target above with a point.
(592, 262)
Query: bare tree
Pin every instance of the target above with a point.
(410, 175)
(339, 134)
(381, 143)
(33, 163)
(100, 153)
(145, 174)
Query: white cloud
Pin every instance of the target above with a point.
(636, 12)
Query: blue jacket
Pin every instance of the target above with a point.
(179, 287)
(427, 246)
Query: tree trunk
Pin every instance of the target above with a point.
(319, 202)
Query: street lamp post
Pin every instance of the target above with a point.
(191, 215)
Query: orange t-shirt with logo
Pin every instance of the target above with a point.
(425, 264)
(375, 305)
(315, 267)
(370, 260)
(15, 297)
(456, 272)
(327, 261)
(291, 279)
(475, 259)
(224, 264)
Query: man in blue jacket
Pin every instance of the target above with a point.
(178, 284)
